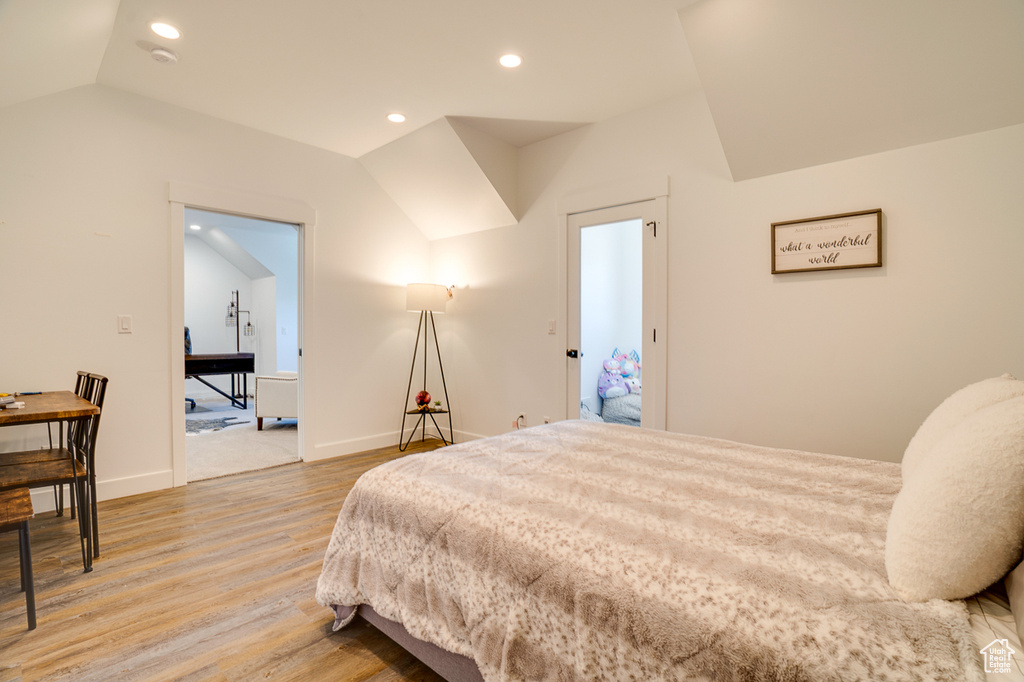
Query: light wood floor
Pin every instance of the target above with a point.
(211, 581)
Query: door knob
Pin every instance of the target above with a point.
(572, 353)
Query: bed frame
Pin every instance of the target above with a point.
(452, 667)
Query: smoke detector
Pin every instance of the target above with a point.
(163, 56)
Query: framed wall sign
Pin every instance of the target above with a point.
(834, 242)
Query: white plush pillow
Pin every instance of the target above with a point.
(954, 410)
(957, 526)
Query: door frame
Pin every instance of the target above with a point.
(651, 188)
(220, 200)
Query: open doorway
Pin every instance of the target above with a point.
(241, 302)
(616, 285)
(611, 320)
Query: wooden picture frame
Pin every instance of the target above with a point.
(833, 242)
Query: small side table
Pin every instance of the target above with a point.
(15, 512)
(422, 419)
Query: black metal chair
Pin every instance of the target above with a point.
(95, 393)
(83, 386)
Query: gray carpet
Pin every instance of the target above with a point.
(233, 445)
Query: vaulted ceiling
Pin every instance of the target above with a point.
(797, 83)
(327, 72)
(790, 83)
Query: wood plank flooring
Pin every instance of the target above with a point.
(212, 581)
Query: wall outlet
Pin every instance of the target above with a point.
(547, 420)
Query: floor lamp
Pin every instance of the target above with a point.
(233, 319)
(426, 299)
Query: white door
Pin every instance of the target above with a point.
(617, 302)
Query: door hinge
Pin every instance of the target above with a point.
(655, 336)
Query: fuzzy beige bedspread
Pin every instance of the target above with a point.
(587, 551)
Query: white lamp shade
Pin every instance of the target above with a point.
(430, 297)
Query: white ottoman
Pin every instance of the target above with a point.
(277, 396)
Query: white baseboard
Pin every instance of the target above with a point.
(348, 447)
(134, 485)
(463, 436)
(383, 440)
(42, 498)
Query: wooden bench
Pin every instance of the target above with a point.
(15, 512)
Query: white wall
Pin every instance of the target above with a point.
(84, 231)
(209, 281)
(848, 362)
(278, 251)
(263, 311)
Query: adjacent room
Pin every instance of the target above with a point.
(723, 322)
(253, 265)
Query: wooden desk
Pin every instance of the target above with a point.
(205, 364)
(52, 406)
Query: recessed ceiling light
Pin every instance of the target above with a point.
(196, 227)
(396, 118)
(510, 61)
(165, 30)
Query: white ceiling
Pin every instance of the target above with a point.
(210, 232)
(327, 72)
(790, 83)
(796, 83)
(46, 47)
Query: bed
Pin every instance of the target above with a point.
(584, 550)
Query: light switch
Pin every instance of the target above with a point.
(124, 324)
(551, 326)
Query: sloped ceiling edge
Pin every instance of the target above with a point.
(434, 177)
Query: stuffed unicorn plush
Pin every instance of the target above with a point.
(629, 365)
